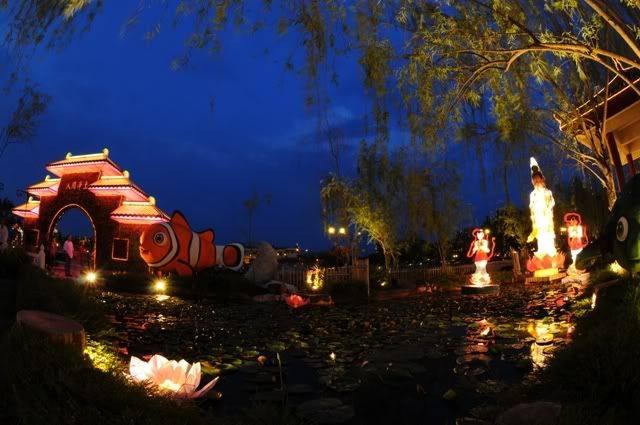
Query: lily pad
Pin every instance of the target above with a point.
(325, 411)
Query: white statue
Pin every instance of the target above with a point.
(541, 205)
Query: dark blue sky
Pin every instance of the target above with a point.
(201, 138)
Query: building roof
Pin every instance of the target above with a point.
(47, 187)
(622, 108)
(142, 212)
(91, 163)
(136, 206)
(30, 209)
(118, 186)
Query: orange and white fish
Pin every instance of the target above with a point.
(174, 247)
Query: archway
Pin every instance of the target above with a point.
(116, 207)
(74, 221)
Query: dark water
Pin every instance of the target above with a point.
(394, 360)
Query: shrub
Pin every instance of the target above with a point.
(599, 373)
(12, 261)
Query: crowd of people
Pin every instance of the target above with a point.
(51, 252)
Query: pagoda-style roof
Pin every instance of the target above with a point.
(136, 207)
(91, 163)
(48, 187)
(139, 212)
(30, 209)
(622, 109)
(118, 186)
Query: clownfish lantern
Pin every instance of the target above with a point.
(173, 247)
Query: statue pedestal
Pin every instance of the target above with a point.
(544, 279)
(480, 289)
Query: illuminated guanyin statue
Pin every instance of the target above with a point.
(481, 253)
(546, 260)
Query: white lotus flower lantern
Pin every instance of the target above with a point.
(179, 379)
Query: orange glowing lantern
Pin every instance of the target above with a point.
(295, 300)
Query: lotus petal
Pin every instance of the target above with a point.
(202, 391)
(139, 369)
(193, 377)
(179, 378)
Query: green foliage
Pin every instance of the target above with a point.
(49, 383)
(510, 226)
(598, 373)
(213, 282)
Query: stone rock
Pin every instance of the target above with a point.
(56, 328)
(277, 287)
(536, 413)
(265, 266)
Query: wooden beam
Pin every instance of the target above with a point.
(632, 166)
(615, 157)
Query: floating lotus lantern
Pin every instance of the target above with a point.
(179, 379)
(546, 260)
(295, 300)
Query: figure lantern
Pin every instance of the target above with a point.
(481, 253)
(174, 247)
(546, 260)
(315, 278)
(178, 379)
(576, 237)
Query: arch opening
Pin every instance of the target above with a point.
(73, 222)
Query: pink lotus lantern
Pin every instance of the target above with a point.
(295, 300)
(178, 379)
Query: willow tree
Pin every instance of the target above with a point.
(373, 202)
(431, 63)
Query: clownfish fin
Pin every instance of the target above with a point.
(178, 219)
(207, 235)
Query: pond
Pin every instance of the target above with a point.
(427, 359)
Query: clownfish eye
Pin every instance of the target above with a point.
(622, 229)
(160, 238)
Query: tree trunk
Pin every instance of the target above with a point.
(610, 187)
(56, 328)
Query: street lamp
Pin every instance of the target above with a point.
(342, 231)
(331, 230)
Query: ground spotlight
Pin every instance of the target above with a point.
(160, 285)
(91, 277)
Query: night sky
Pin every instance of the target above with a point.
(200, 139)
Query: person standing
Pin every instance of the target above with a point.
(4, 236)
(68, 254)
(53, 252)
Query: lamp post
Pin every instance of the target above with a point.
(336, 232)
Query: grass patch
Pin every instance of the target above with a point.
(38, 291)
(597, 376)
(54, 384)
